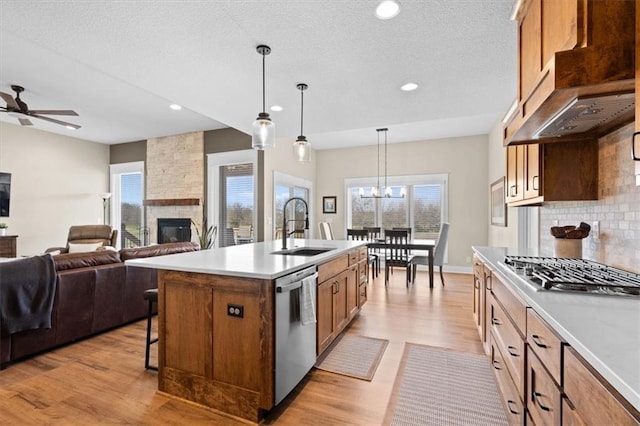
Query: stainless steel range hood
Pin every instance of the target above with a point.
(585, 114)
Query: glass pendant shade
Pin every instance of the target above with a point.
(301, 150)
(263, 129)
(387, 192)
(264, 132)
(361, 192)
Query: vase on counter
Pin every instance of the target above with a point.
(3, 232)
(567, 247)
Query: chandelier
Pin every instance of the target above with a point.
(376, 192)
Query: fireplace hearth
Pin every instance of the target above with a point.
(174, 230)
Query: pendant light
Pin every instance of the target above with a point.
(264, 130)
(301, 146)
(376, 192)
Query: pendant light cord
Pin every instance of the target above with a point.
(301, 110)
(263, 84)
(385, 160)
(378, 163)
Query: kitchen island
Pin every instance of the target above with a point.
(602, 330)
(217, 321)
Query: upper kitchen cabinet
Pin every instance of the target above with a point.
(576, 69)
(562, 171)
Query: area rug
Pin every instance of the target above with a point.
(437, 386)
(353, 356)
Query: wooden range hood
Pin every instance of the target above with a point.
(576, 70)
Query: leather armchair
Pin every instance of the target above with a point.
(85, 234)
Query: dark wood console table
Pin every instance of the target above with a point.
(8, 244)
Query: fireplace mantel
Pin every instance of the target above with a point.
(173, 202)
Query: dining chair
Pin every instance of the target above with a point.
(374, 234)
(326, 233)
(396, 242)
(363, 235)
(438, 253)
(403, 228)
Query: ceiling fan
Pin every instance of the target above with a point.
(19, 108)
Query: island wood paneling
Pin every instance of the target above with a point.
(209, 357)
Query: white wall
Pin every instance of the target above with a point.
(281, 159)
(463, 158)
(500, 236)
(56, 182)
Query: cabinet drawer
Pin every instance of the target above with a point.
(545, 344)
(363, 295)
(510, 398)
(516, 309)
(363, 253)
(543, 396)
(332, 268)
(354, 257)
(510, 343)
(583, 386)
(362, 272)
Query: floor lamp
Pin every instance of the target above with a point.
(105, 201)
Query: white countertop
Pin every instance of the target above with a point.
(605, 330)
(248, 260)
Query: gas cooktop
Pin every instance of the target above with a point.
(574, 275)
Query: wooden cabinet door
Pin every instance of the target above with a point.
(325, 325)
(515, 173)
(532, 171)
(340, 306)
(353, 287)
(530, 49)
(560, 27)
(477, 285)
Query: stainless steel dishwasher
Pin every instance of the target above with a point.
(295, 343)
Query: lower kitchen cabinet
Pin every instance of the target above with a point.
(583, 388)
(339, 296)
(542, 380)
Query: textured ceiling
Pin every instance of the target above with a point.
(120, 63)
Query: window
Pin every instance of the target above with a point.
(285, 188)
(127, 187)
(424, 207)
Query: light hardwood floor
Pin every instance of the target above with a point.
(102, 380)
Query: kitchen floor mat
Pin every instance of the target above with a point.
(353, 356)
(437, 386)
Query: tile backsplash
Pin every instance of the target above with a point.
(617, 208)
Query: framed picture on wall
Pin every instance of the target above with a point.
(498, 203)
(329, 204)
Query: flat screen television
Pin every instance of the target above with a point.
(5, 193)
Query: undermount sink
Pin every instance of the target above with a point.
(304, 251)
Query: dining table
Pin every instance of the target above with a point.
(417, 244)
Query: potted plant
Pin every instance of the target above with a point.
(3, 228)
(206, 236)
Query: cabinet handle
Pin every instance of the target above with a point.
(513, 351)
(488, 282)
(496, 321)
(513, 190)
(535, 182)
(536, 340)
(509, 403)
(496, 365)
(536, 397)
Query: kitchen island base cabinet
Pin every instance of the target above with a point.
(210, 357)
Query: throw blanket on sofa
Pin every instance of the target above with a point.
(27, 289)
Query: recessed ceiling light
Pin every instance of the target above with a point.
(276, 108)
(387, 9)
(409, 87)
(70, 127)
(175, 107)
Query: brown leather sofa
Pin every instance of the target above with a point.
(95, 291)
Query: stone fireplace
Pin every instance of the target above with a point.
(174, 180)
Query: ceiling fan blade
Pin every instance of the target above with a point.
(25, 122)
(54, 112)
(9, 100)
(52, 120)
